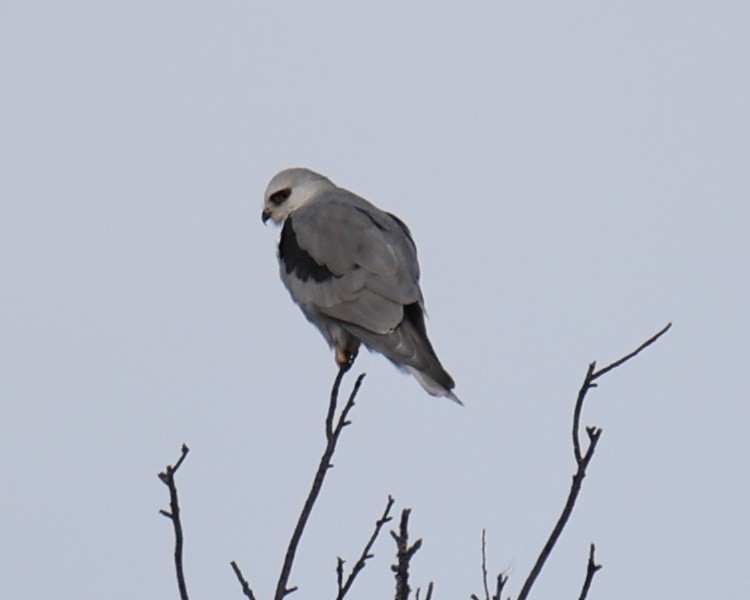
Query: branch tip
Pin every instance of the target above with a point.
(632, 354)
(404, 554)
(333, 428)
(243, 582)
(343, 587)
(591, 569)
(582, 460)
(167, 478)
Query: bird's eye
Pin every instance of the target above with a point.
(280, 197)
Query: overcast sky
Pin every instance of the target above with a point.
(575, 176)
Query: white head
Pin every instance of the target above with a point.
(290, 189)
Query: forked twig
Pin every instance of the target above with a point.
(173, 514)
(502, 578)
(343, 586)
(332, 438)
(333, 432)
(582, 460)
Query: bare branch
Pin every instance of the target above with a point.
(502, 579)
(484, 565)
(167, 478)
(627, 357)
(585, 387)
(429, 592)
(333, 401)
(339, 575)
(343, 587)
(332, 437)
(404, 554)
(582, 459)
(591, 569)
(243, 582)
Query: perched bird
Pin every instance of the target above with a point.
(352, 269)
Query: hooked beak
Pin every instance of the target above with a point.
(265, 215)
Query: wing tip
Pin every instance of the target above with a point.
(432, 387)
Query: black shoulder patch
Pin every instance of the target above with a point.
(298, 260)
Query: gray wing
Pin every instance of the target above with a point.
(350, 261)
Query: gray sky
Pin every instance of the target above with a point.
(575, 175)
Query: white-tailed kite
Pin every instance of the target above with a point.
(352, 269)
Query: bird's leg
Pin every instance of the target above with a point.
(345, 355)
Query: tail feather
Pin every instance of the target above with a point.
(410, 349)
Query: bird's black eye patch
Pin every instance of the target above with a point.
(278, 198)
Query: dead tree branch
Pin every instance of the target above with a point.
(484, 564)
(501, 578)
(484, 569)
(582, 459)
(591, 569)
(343, 586)
(404, 554)
(638, 350)
(167, 478)
(429, 592)
(243, 582)
(333, 429)
(332, 437)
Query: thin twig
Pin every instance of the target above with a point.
(339, 575)
(591, 569)
(484, 569)
(429, 592)
(167, 478)
(404, 554)
(343, 587)
(502, 579)
(585, 387)
(243, 582)
(582, 462)
(332, 437)
(484, 565)
(582, 458)
(627, 357)
(333, 401)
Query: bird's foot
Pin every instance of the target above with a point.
(345, 358)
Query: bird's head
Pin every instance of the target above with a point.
(290, 189)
